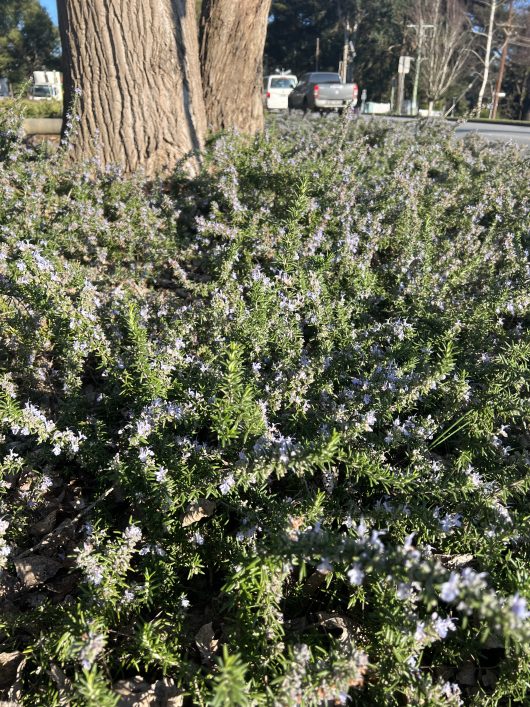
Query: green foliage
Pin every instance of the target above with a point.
(230, 686)
(29, 41)
(235, 412)
(268, 430)
(35, 109)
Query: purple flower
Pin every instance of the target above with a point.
(227, 484)
(450, 589)
(356, 575)
(443, 626)
(519, 607)
(161, 474)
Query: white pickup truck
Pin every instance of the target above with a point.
(46, 86)
(323, 91)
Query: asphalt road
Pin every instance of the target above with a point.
(519, 134)
(505, 133)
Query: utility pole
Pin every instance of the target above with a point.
(502, 66)
(400, 92)
(419, 58)
(403, 68)
(317, 55)
(345, 52)
(352, 53)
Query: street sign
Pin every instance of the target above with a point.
(404, 64)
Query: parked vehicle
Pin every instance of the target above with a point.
(276, 90)
(46, 86)
(323, 91)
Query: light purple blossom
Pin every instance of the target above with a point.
(227, 483)
(443, 626)
(450, 589)
(519, 607)
(356, 575)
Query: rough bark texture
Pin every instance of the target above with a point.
(233, 36)
(137, 65)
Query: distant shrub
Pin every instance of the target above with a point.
(34, 109)
(265, 439)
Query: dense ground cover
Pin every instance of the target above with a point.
(264, 434)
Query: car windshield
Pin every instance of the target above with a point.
(42, 91)
(325, 78)
(283, 82)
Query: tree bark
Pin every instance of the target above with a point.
(487, 56)
(233, 36)
(136, 63)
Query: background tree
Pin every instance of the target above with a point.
(486, 58)
(490, 19)
(232, 40)
(517, 81)
(296, 24)
(29, 40)
(137, 63)
(447, 41)
(378, 41)
(292, 34)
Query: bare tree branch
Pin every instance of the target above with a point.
(447, 44)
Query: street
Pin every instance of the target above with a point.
(505, 133)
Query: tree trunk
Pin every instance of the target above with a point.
(136, 63)
(233, 36)
(487, 57)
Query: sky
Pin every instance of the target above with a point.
(51, 6)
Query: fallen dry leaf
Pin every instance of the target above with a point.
(454, 562)
(195, 512)
(206, 643)
(139, 693)
(489, 678)
(45, 525)
(467, 675)
(349, 630)
(36, 569)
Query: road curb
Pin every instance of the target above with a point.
(42, 126)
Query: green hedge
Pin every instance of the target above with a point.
(33, 109)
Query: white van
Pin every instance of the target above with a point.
(276, 89)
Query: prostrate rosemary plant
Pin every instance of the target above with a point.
(265, 438)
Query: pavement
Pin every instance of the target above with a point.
(519, 134)
(42, 126)
(500, 132)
